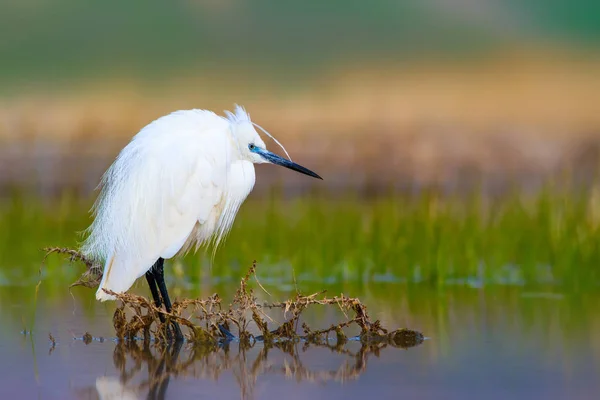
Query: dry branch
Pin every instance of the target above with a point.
(215, 322)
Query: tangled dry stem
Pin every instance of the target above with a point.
(216, 322)
(93, 274)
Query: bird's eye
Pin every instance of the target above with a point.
(251, 146)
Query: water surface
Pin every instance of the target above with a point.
(500, 342)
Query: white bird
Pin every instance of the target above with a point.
(176, 186)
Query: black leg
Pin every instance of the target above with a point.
(154, 291)
(157, 300)
(159, 276)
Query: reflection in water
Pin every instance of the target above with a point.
(206, 362)
(492, 343)
(111, 388)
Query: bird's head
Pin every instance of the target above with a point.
(252, 148)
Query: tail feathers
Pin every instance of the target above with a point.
(103, 296)
(119, 275)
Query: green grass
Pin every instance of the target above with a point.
(550, 238)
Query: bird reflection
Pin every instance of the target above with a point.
(210, 361)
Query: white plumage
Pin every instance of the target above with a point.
(177, 185)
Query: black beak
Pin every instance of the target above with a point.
(275, 159)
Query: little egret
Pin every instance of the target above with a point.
(176, 186)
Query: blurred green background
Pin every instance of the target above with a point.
(69, 39)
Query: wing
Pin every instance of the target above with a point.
(168, 178)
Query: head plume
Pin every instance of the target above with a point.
(241, 115)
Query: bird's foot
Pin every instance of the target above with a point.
(173, 333)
